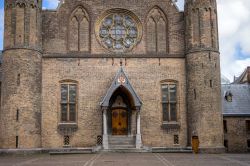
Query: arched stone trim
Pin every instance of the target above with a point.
(157, 31)
(79, 30)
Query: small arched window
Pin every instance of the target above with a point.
(68, 103)
(169, 101)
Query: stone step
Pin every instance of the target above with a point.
(121, 140)
(122, 137)
(171, 150)
(127, 150)
(71, 151)
(121, 146)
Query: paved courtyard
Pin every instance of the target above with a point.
(128, 159)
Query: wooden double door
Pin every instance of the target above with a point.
(119, 122)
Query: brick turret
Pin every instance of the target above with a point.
(21, 78)
(203, 74)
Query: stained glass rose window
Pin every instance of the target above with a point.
(119, 30)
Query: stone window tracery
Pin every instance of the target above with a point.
(118, 30)
(79, 39)
(157, 31)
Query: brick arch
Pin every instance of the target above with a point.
(79, 30)
(157, 31)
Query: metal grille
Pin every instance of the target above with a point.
(99, 140)
(66, 140)
(176, 139)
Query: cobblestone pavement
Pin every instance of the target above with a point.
(128, 159)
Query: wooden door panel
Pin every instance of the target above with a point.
(119, 122)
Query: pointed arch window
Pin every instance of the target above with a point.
(157, 31)
(79, 32)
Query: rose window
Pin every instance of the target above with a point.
(119, 31)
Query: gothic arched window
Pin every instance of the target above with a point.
(118, 30)
(157, 31)
(79, 34)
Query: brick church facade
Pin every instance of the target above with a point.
(136, 73)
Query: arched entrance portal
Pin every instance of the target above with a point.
(121, 111)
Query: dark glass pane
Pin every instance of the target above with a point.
(118, 45)
(64, 93)
(129, 22)
(172, 90)
(173, 112)
(108, 21)
(104, 32)
(118, 19)
(132, 32)
(165, 112)
(72, 93)
(72, 112)
(164, 89)
(64, 112)
(108, 42)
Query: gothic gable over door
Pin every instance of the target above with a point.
(121, 82)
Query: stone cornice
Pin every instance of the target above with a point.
(89, 55)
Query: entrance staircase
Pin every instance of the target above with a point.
(123, 144)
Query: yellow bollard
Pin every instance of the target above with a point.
(195, 144)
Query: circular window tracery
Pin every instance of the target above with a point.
(119, 30)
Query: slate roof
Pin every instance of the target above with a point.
(240, 105)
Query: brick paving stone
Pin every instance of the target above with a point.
(128, 159)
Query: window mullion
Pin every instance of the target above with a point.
(68, 104)
(169, 104)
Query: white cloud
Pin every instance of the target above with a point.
(180, 4)
(234, 30)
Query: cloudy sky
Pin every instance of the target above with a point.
(234, 30)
